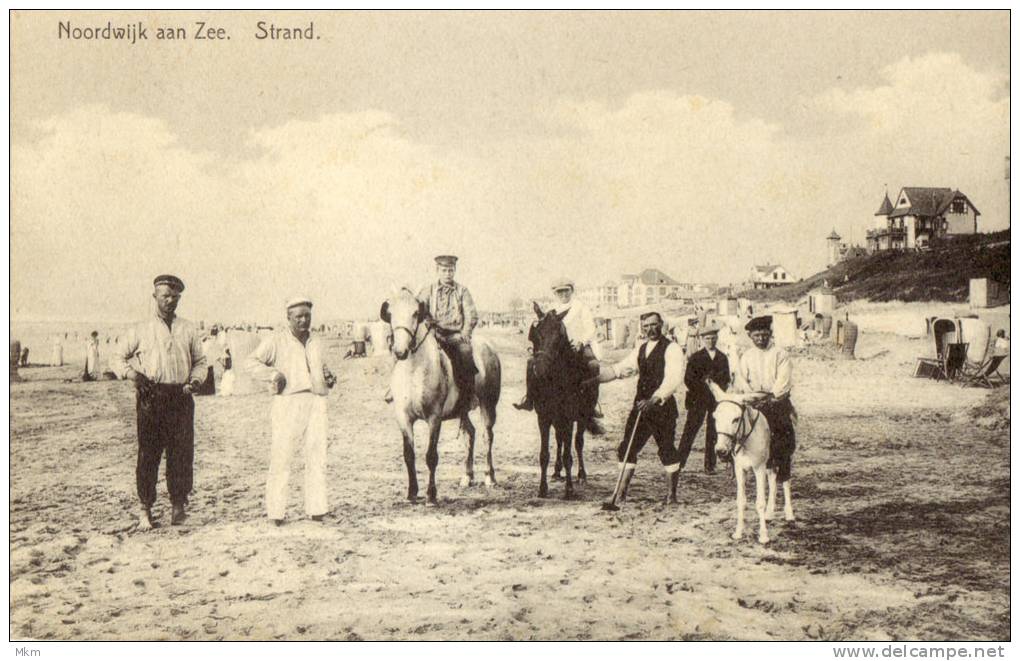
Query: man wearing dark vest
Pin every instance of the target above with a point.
(711, 363)
(659, 366)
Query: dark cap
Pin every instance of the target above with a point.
(170, 280)
(446, 260)
(651, 314)
(759, 323)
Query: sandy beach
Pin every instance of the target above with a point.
(901, 496)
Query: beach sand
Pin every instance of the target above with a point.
(902, 528)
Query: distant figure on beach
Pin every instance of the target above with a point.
(292, 360)
(1001, 343)
(91, 372)
(24, 357)
(211, 350)
(167, 366)
(57, 355)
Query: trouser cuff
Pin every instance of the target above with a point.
(672, 468)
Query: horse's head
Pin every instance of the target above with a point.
(549, 337)
(405, 314)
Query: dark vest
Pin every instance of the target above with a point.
(651, 369)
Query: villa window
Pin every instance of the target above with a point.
(959, 206)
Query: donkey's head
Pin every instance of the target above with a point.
(729, 417)
(405, 314)
(549, 337)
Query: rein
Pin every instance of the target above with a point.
(415, 342)
(738, 445)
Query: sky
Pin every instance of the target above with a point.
(533, 145)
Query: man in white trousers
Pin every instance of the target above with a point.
(292, 360)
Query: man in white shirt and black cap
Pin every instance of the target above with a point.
(163, 357)
(292, 359)
(659, 365)
(767, 371)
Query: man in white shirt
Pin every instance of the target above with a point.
(659, 365)
(766, 371)
(581, 331)
(292, 360)
(163, 357)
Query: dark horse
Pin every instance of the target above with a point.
(562, 399)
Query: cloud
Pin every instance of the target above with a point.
(935, 121)
(341, 205)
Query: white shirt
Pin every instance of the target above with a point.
(579, 322)
(301, 364)
(673, 375)
(769, 370)
(165, 355)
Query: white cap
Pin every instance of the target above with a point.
(298, 300)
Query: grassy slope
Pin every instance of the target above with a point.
(942, 274)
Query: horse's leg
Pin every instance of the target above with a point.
(582, 475)
(771, 511)
(759, 503)
(558, 471)
(488, 413)
(432, 459)
(564, 430)
(741, 503)
(467, 430)
(788, 501)
(407, 430)
(543, 455)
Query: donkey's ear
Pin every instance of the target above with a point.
(538, 309)
(561, 315)
(384, 312)
(423, 310)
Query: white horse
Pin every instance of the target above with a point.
(423, 388)
(744, 432)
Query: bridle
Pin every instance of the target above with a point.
(738, 445)
(415, 342)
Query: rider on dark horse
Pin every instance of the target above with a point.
(581, 331)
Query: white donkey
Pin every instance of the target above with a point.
(744, 433)
(423, 388)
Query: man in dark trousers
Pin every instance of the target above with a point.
(659, 366)
(163, 357)
(706, 362)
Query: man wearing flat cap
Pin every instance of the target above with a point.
(581, 332)
(765, 371)
(455, 317)
(707, 362)
(292, 359)
(163, 357)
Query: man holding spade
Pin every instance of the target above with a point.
(659, 365)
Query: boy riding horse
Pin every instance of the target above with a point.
(455, 317)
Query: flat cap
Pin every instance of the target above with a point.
(446, 260)
(709, 329)
(170, 280)
(562, 283)
(298, 300)
(759, 323)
